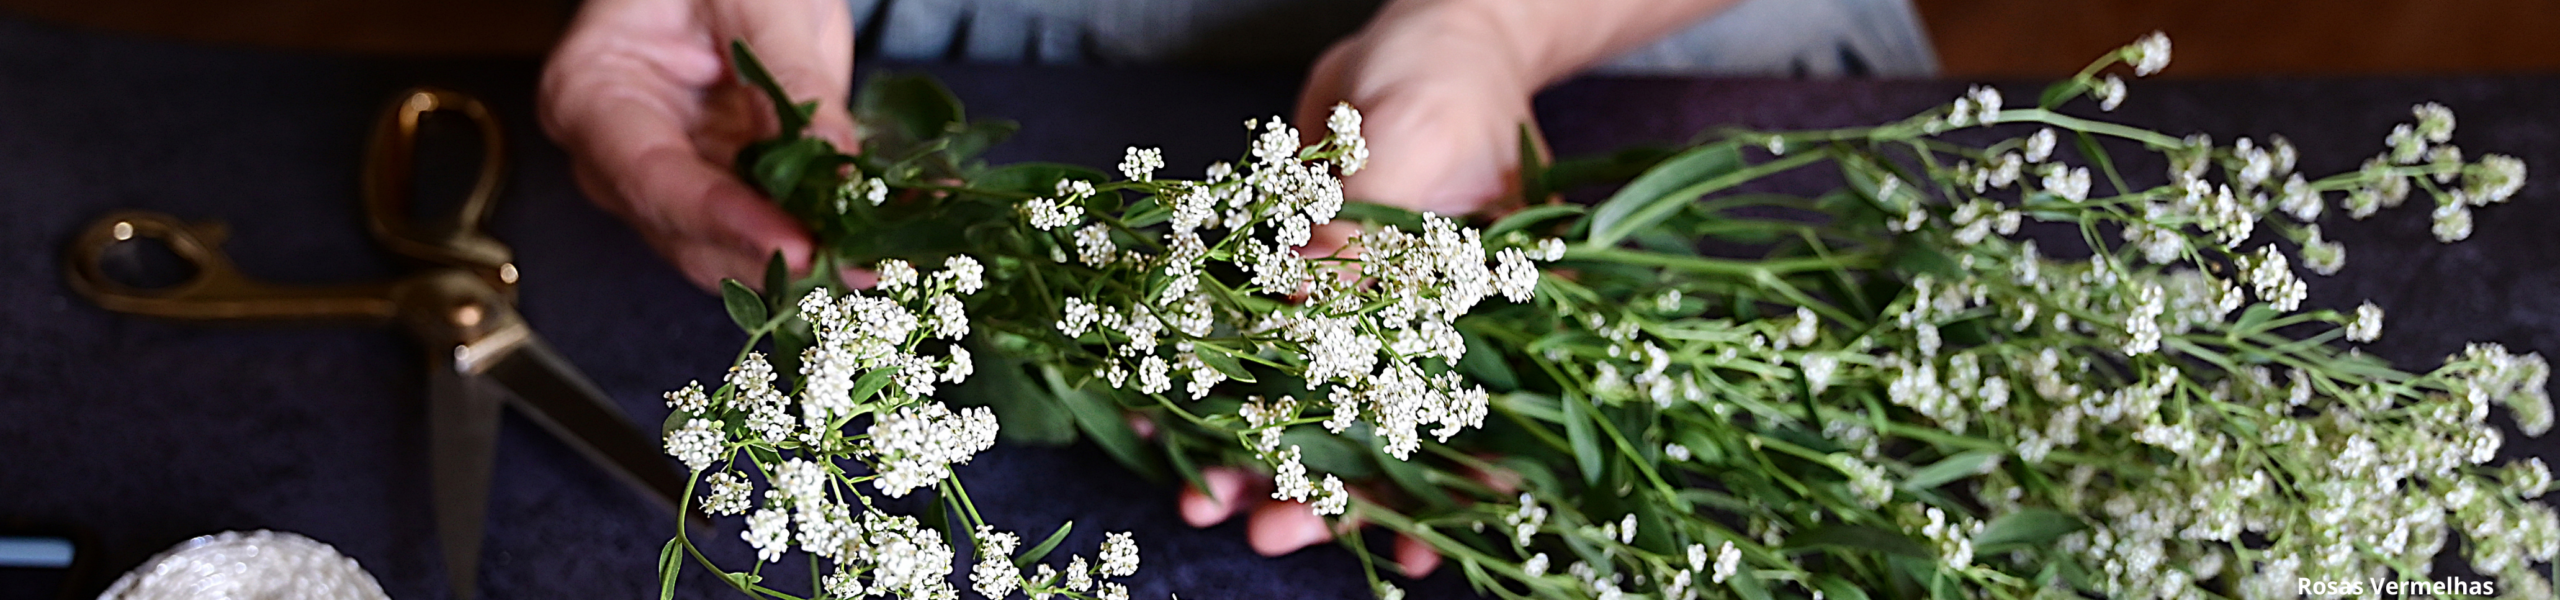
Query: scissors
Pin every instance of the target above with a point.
(460, 306)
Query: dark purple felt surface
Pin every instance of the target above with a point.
(142, 433)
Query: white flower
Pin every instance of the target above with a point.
(1079, 316)
(2040, 145)
(1514, 276)
(1331, 498)
(917, 445)
(1048, 214)
(769, 532)
(1093, 245)
(689, 399)
(995, 576)
(1817, 372)
(729, 494)
(1728, 562)
(964, 273)
(2148, 55)
(2299, 200)
(2367, 325)
(1119, 555)
(946, 317)
(2071, 184)
(2452, 222)
(2272, 278)
(2110, 92)
(895, 275)
(2322, 256)
(2435, 122)
(697, 444)
(1536, 566)
(1140, 164)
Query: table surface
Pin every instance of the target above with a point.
(137, 433)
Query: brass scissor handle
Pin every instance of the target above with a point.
(391, 168)
(217, 290)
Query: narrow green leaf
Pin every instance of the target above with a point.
(1833, 586)
(745, 307)
(1622, 165)
(2251, 319)
(777, 283)
(1531, 216)
(1042, 550)
(1662, 190)
(793, 117)
(1483, 362)
(1533, 170)
(1381, 214)
(871, 383)
(1411, 478)
(1101, 421)
(670, 563)
(1579, 431)
(1859, 538)
(1962, 465)
(2030, 527)
(1219, 358)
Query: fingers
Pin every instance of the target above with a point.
(807, 45)
(698, 215)
(1278, 528)
(1416, 558)
(1441, 116)
(1227, 492)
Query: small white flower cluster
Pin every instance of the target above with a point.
(870, 191)
(2425, 149)
(1290, 482)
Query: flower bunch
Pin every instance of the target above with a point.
(1900, 395)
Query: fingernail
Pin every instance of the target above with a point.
(1218, 503)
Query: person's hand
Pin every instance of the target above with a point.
(1442, 95)
(1443, 87)
(641, 94)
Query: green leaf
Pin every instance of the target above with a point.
(1619, 166)
(2253, 318)
(1532, 171)
(1663, 189)
(1483, 362)
(1532, 216)
(1221, 359)
(2026, 528)
(1025, 412)
(1042, 550)
(794, 117)
(745, 308)
(1833, 586)
(670, 563)
(1859, 538)
(1961, 465)
(1578, 430)
(1412, 479)
(1033, 178)
(1381, 214)
(1101, 421)
(777, 283)
(777, 168)
(909, 108)
(1324, 452)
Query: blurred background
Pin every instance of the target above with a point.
(1976, 39)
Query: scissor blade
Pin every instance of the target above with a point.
(462, 424)
(553, 394)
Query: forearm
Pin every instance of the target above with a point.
(1549, 40)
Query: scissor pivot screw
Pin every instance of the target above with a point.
(468, 315)
(123, 230)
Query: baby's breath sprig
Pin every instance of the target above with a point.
(1898, 397)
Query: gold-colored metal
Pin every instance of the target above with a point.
(219, 291)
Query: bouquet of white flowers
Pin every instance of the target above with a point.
(1895, 397)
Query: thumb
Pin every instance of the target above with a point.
(808, 47)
